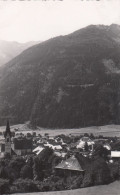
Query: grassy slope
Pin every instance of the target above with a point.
(107, 130)
(111, 189)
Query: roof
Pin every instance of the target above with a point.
(38, 150)
(22, 143)
(62, 154)
(86, 139)
(58, 147)
(13, 152)
(70, 164)
(107, 146)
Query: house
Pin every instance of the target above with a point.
(69, 167)
(38, 150)
(54, 146)
(107, 146)
(22, 146)
(115, 154)
(60, 154)
(2, 149)
(83, 141)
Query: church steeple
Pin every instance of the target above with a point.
(7, 132)
(8, 139)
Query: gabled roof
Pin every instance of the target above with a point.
(86, 139)
(13, 152)
(107, 146)
(70, 164)
(38, 150)
(58, 147)
(22, 143)
(62, 154)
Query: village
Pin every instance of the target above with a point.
(43, 163)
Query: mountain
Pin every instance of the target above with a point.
(9, 50)
(66, 82)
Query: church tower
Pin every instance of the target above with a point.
(7, 139)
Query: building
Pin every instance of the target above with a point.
(15, 146)
(107, 146)
(54, 146)
(115, 154)
(85, 140)
(69, 167)
(2, 149)
(38, 150)
(22, 145)
(7, 136)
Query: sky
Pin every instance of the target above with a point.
(39, 20)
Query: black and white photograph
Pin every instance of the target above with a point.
(60, 97)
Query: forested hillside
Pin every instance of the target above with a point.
(65, 82)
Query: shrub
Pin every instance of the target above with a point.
(23, 186)
(114, 171)
(4, 186)
(26, 172)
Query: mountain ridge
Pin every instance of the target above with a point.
(10, 49)
(65, 82)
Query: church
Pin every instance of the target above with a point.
(15, 146)
(7, 136)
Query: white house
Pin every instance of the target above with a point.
(115, 154)
(54, 147)
(83, 140)
(38, 150)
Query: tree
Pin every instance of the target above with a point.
(101, 151)
(26, 172)
(3, 172)
(42, 164)
(86, 146)
(100, 171)
(4, 186)
(16, 164)
(24, 186)
(29, 135)
(86, 135)
(92, 136)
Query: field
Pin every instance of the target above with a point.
(107, 130)
(111, 189)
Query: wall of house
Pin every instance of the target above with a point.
(66, 173)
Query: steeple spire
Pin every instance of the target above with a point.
(7, 129)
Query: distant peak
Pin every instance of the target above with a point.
(101, 26)
(105, 27)
(115, 25)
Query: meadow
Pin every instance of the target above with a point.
(107, 130)
(111, 189)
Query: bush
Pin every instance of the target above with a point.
(100, 171)
(4, 186)
(88, 179)
(26, 172)
(15, 165)
(23, 186)
(114, 171)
